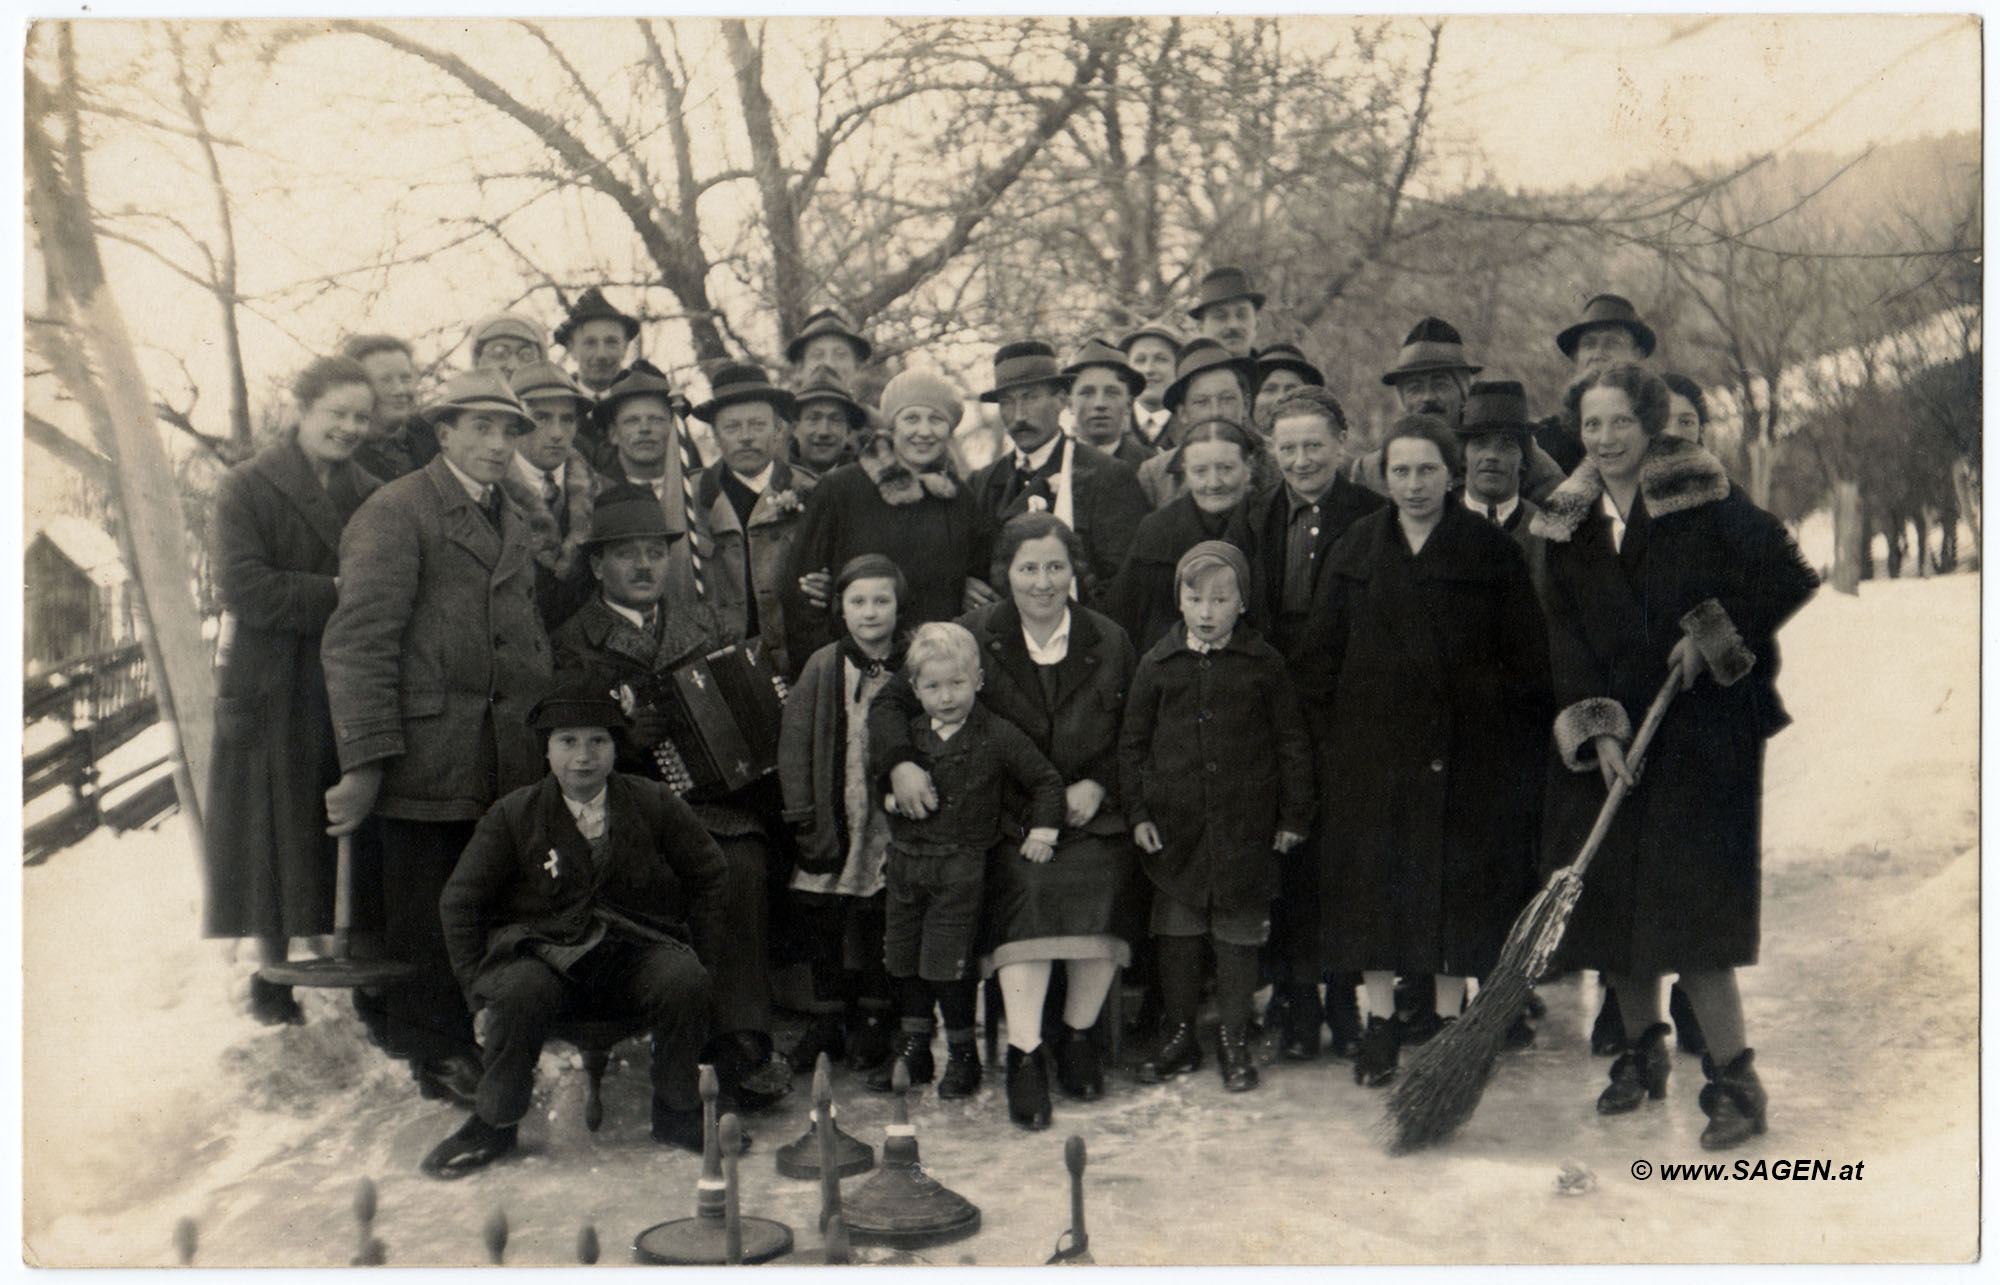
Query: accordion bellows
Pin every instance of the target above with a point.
(722, 715)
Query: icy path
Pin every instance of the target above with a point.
(148, 1096)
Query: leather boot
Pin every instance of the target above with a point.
(1027, 1089)
(914, 1048)
(1238, 1067)
(1343, 1018)
(1687, 1030)
(1733, 1100)
(1639, 1073)
(1179, 1055)
(1303, 1018)
(273, 1005)
(870, 1035)
(1078, 1068)
(827, 1034)
(962, 1071)
(1375, 1060)
(1607, 1034)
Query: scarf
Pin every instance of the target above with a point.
(897, 484)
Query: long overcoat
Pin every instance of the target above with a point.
(277, 551)
(1142, 598)
(436, 652)
(1429, 676)
(1105, 503)
(1677, 882)
(766, 545)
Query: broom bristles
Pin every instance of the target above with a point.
(1441, 1087)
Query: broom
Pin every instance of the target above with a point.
(1441, 1088)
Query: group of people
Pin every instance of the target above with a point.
(1191, 684)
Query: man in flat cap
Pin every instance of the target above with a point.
(506, 341)
(1095, 496)
(596, 335)
(1102, 389)
(433, 657)
(1609, 332)
(400, 440)
(555, 486)
(1225, 310)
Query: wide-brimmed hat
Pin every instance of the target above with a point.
(578, 703)
(1289, 357)
(507, 325)
(546, 379)
(823, 385)
(626, 511)
(1432, 344)
(1220, 286)
(640, 379)
(827, 322)
(1152, 330)
(742, 381)
(476, 390)
(1494, 406)
(1607, 310)
(591, 305)
(1201, 355)
(1026, 361)
(1095, 352)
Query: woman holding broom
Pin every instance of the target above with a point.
(1427, 645)
(1646, 528)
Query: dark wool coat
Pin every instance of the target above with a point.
(984, 761)
(402, 447)
(1106, 503)
(823, 765)
(1429, 676)
(1143, 599)
(660, 870)
(1132, 451)
(937, 539)
(1677, 883)
(270, 863)
(1163, 482)
(1269, 515)
(562, 568)
(1214, 751)
(436, 653)
(764, 543)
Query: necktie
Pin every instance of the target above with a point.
(490, 506)
(1493, 514)
(550, 491)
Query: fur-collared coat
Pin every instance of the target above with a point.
(529, 875)
(764, 543)
(1677, 882)
(823, 768)
(270, 863)
(562, 568)
(1214, 751)
(436, 653)
(927, 524)
(1105, 503)
(1428, 674)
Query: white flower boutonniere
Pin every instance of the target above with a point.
(786, 501)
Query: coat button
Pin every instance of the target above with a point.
(1437, 765)
(1211, 767)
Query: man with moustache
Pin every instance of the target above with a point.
(1225, 310)
(830, 425)
(400, 441)
(1151, 350)
(555, 487)
(1095, 496)
(1101, 388)
(433, 657)
(1608, 332)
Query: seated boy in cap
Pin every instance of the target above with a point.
(588, 894)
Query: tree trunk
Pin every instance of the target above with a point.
(1760, 470)
(1850, 537)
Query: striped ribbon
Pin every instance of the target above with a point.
(690, 474)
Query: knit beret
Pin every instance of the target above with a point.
(1214, 553)
(921, 388)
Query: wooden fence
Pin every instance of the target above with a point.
(102, 702)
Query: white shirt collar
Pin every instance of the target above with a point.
(1151, 422)
(590, 816)
(477, 490)
(756, 482)
(945, 731)
(1610, 509)
(1195, 644)
(638, 619)
(1040, 456)
(1055, 649)
(1505, 508)
(532, 475)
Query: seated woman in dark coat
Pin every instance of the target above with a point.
(1647, 528)
(1216, 456)
(278, 518)
(1427, 654)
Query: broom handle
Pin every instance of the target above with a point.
(1634, 760)
(343, 894)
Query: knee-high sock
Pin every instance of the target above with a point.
(1450, 995)
(1235, 983)
(1023, 987)
(1718, 1006)
(1180, 977)
(1638, 1000)
(1380, 984)
(1089, 982)
(913, 1000)
(958, 1000)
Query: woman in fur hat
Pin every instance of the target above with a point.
(1645, 529)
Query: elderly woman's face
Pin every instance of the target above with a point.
(1039, 577)
(919, 435)
(1613, 437)
(1217, 474)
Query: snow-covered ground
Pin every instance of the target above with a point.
(148, 1096)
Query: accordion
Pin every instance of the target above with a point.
(722, 713)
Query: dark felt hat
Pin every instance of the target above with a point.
(627, 511)
(640, 379)
(827, 322)
(1432, 344)
(823, 385)
(1095, 352)
(1152, 330)
(1495, 406)
(742, 381)
(1026, 361)
(484, 389)
(546, 379)
(591, 305)
(578, 703)
(1198, 356)
(1608, 310)
(1222, 285)
(1289, 357)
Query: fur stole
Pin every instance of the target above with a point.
(894, 481)
(559, 554)
(1676, 476)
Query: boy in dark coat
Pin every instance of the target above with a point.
(586, 894)
(1216, 772)
(937, 865)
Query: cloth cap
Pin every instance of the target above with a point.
(578, 704)
(1214, 553)
(507, 325)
